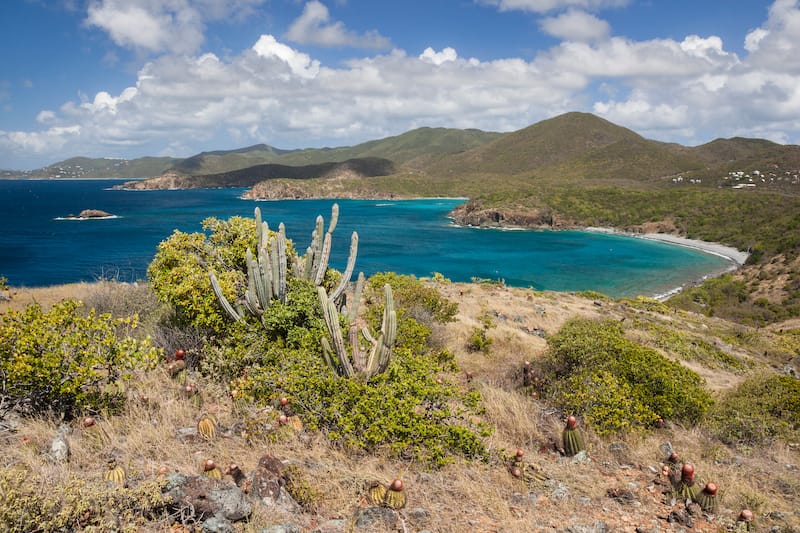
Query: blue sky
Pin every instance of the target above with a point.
(129, 78)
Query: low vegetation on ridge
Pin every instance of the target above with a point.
(440, 417)
(495, 409)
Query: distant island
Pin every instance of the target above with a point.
(88, 214)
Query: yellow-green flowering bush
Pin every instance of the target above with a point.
(78, 505)
(66, 361)
(759, 410)
(616, 384)
(179, 272)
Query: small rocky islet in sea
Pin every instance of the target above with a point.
(90, 213)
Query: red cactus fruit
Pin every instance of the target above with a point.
(572, 422)
(710, 489)
(283, 419)
(397, 485)
(516, 472)
(209, 465)
(88, 422)
(746, 515)
(519, 454)
(687, 472)
(673, 458)
(180, 354)
(284, 401)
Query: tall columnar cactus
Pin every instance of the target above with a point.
(356, 361)
(267, 270)
(573, 441)
(313, 264)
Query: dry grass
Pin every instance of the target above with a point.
(459, 497)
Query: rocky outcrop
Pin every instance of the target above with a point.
(90, 213)
(167, 181)
(473, 213)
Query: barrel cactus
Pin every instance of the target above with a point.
(686, 488)
(707, 498)
(573, 440)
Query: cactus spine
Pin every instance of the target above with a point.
(356, 361)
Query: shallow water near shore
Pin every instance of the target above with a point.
(409, 237)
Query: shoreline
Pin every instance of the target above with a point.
(734, 255)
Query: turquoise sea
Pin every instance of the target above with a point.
(409, 236)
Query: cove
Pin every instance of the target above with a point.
(406, 236)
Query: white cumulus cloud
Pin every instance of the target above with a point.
(158, 26)
(313, 26)
(687, 90)
(545, 6)
(300, 64)
(429, 55)
(576, 25)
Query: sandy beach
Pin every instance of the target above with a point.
(734, 255)
(737, 256)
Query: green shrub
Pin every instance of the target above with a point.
(616, 384)
(420, 301)
(64, 361)
(78, 505)
(179, 271)
(478, 340)
(403, 411)
(692, 348)
(760, 410)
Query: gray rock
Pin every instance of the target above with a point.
(524, 500)
(218, 524)
(666, 449)
(205, 498)
(581, 457)
(561, 492)
(418, 516)
(372, 518)
(59, 447)
(597, 527)
(332, 526)
(620, 452)
(282, 528)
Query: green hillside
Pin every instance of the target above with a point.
(96, 168)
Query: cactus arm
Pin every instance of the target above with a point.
(282, 263)
(327, 353)
(335, 331)
(316, 247)
(322, 266)
(221, 297)
(359, 357)
(254, 294)
(257, 216)
(334, 217)
(348, 271)
(389, 325)
(264, 277)
(353, 311)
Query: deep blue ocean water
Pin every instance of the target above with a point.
(409, 237)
